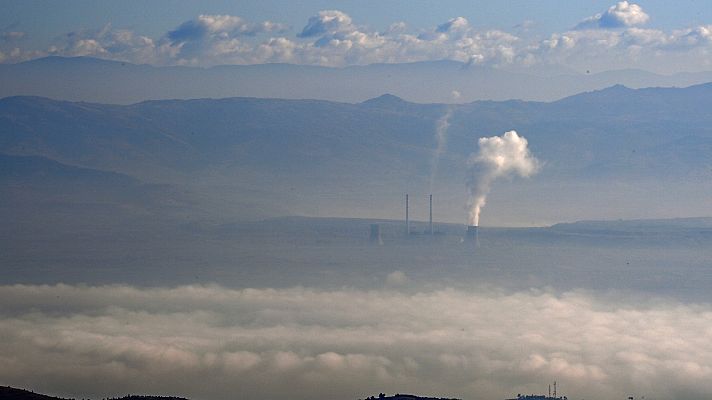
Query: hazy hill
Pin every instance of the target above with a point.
(187, 135)
(698, 226)
(613, 153)
(96, 80)
(43, 171)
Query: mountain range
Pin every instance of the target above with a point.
(102, 81)
(612, 153)
(185, 191)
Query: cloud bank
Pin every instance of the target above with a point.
(614, 38)
(212, 342)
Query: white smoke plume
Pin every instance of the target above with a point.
(441, 127)
(498, 156)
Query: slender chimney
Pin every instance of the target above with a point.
(554, 389)
(375, 237)
(407, 220)
(431, 214)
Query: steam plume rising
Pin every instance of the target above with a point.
(498, 156)
(441, 127)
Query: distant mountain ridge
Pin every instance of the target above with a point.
(266, 157)
(104, 81)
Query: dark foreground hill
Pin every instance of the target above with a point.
(10, 393)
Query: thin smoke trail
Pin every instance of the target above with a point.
(441, 127)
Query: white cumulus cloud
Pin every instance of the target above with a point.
(224, 26)
(327, 22)
(613, 39)
(622, 14)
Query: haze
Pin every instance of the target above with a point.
(208, 199)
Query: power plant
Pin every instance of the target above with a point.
(430, 230)
(550, 396)
(472, 231)
(418, 229)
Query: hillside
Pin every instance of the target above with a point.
(39, 192)
(613, 153)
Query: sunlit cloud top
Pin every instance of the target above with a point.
(616, 37)
(621, 15)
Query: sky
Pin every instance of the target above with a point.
(656, 35)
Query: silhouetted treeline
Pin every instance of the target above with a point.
(398, 396)
(10, 393)
(141, 397)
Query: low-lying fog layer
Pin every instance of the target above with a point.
(211, 342)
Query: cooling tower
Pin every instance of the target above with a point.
(472, 234)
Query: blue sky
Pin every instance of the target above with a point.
(137, 31)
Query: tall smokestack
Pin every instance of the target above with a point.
(407, 219)
(431, 214)
(375, 237)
